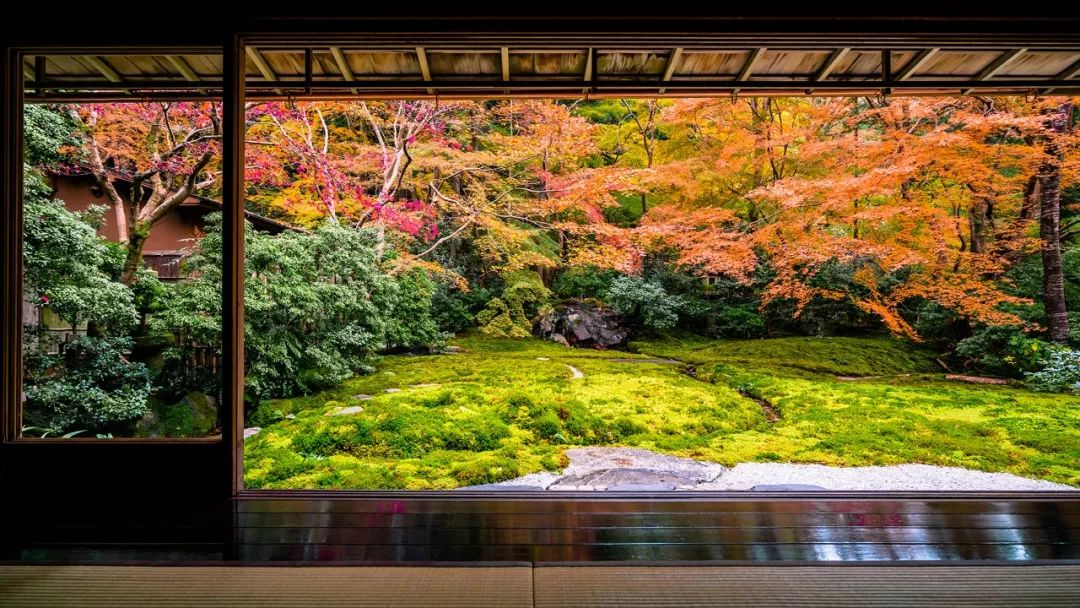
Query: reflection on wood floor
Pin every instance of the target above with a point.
(310, 529)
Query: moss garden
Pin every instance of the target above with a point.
(499, 408)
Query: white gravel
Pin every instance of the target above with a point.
(916, 477)
(697, 475)
(543, 479)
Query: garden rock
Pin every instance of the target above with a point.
(194, 416)
(621, 479)
(251, 432)
(498, 487)
(582, 324)
(590, 460)
(345, 411)
(786, 487)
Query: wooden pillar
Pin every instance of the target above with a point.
(232, 163)
(11, 136)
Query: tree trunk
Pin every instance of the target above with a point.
(1057, 319)
(979, 217)
(135, 244)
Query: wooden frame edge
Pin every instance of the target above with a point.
(233, 191)
(11, 134)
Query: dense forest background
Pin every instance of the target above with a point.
(950, 222)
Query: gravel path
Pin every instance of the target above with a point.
(918, 477)
(613, 469)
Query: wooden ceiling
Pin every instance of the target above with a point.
(570, 66)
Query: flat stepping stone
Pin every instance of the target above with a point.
(345, 411)
(588, 460)
(575, 372)
(653, 360)
(498, 487)
(392, 390)
(976, 379)
(786, 487)
(251, 432)
(425, 385)
(361, 397)
(543, 358)
(644, 487)
(612, 479)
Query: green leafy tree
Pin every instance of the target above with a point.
(318, 307)
(88, 384)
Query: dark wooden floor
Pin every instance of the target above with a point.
(544, 529)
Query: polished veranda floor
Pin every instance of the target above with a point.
(642, 529)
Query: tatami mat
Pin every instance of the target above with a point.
(541, 586)
(264, 587)
(825, 586)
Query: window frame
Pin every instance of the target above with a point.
(227, 450)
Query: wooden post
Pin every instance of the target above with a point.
(11, 136)
(232, 289)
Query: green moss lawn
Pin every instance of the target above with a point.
(507, 407)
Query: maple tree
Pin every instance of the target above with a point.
(162, 152)
(911, 193)
(920, 199)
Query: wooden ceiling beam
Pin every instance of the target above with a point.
(999, 64)
(504, 62)
(590, 68)
(260, 63)
(1070, 72)
(102, 66)
(747, 69)
(830, 64)
(182, 66)
(917, 63)
(996, 66)
(669, 69)
(425, 69)
(1067, 74)
(343, 65)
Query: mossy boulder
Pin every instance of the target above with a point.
(509, 316)
(194, 416)
(582, 324)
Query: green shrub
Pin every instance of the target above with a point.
(454, 309)
(510, 315)
(318, 307)
(740, 321)
(1059, 373)
(583, 282)
(89, 386)
(1002, 350)
(643, 303)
